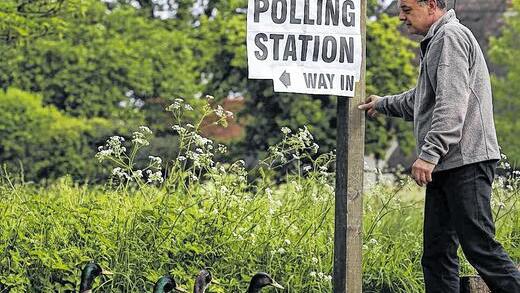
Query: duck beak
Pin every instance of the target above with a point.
(180, 289)
(107, 273)
(276, 285)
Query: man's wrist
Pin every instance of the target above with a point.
(379, 105)
(432, 159)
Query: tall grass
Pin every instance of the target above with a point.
(208, 214)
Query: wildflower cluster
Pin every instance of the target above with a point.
(112, 149)
(115, 152)
(299, 153)
(179, 105)
(505, 189)
(140, 138)
(274, 204)
(196, 153)
(320, 276)
(293, 147)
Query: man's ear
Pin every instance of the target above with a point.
(432, 6)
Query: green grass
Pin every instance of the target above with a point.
(47, 234)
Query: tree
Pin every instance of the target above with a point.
(167, 9)
(389, 71)
(121, 61)
(25, 20)
(103, 64)
(92, 63)
(505, 52)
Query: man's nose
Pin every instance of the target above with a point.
(402, 16)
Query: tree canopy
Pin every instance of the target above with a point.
(124, 61)
(102, 59)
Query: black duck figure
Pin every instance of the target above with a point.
(90, 272)
(202, 281)
(167, 284)
(261, 280)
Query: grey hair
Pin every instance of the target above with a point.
(440, 3)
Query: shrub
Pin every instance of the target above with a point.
(39, 141)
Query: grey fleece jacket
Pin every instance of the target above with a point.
(451, 104)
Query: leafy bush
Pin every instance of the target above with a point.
(41, 142)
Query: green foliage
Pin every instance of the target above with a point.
(121, 62)
(24, 20)
(222, 47)
(125, 63)
(47, 235)
(505, 52)
(41, 142)
(389, 71)
(210, 214)
(116, 64)
(104, 63)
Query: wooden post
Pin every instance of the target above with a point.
(348, 234)
(340, 224)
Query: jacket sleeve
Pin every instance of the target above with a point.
(452, 92)
(400, 105)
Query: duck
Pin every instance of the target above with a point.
(89, 273)
(167, 284)
(261, 280)
(202, 281)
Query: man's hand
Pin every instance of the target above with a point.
(370, 105)
(422, 172)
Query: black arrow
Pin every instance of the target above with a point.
(285, 78)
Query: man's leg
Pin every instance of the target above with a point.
(440, 263)
(469, 196)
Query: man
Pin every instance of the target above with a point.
(457, 149)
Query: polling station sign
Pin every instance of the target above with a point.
(305, 46)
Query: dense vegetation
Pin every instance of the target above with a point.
(218, 220)
(504, 52)
(206, 213)
(122, 63)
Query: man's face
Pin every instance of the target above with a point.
(416, 15)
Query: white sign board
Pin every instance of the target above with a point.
(305, 46)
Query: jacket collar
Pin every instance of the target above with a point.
(448, 17)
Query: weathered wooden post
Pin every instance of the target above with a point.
(348, 235)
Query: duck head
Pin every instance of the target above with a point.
(261, 280)
(89, 273)
(202, 281)
(167, 284)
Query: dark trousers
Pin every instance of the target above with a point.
(458, 211)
